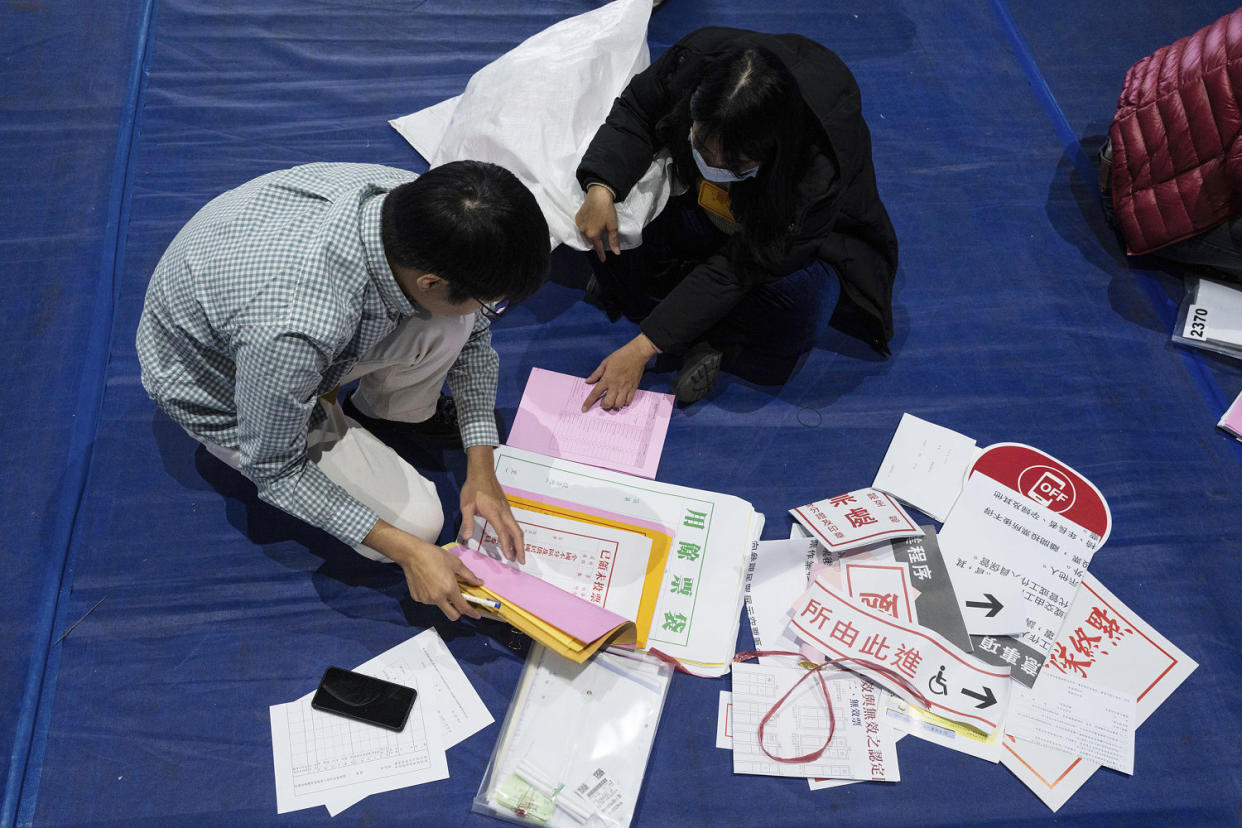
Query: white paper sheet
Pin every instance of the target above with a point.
(425, 659)
(777, 575)
(570, 74)
(1075, 716)
(925, 465)
(1103, 640)
(990, 604)
(883, 699)
(862, 745)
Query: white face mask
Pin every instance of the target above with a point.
(718, 175)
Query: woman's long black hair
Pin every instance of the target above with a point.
(749, 101)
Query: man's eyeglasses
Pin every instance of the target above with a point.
(493, 310)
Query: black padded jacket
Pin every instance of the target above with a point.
(839, 217)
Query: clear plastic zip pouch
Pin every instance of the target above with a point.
(1210, 317)
(574, 746)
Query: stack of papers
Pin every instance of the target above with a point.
(696, 609)
(988, 637)
(324, 759)
(602, 558)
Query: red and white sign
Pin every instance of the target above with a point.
(951, 683)
(859, 518)
(1049, 482)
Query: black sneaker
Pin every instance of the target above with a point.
(698, 373)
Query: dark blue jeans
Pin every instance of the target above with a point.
(764, 335)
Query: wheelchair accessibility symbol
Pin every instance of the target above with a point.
(937, 684)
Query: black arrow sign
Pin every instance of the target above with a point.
(991, 605)
(986, 699)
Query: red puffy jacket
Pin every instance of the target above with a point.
(1177, 157)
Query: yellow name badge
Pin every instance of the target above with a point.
(715, 199)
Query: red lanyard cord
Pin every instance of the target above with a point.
(816, 670)
(812, 671)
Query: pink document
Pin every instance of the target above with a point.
(550, 421)
(1231, 421)
(568, 613)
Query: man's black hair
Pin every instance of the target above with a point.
(473, 224)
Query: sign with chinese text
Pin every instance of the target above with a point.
(1016, 521)
(1104, 641)
(955, 685)
(860, 518)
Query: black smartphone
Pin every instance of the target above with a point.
(363, 698)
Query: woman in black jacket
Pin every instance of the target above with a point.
(772, 167)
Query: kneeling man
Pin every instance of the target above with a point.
(278, 292)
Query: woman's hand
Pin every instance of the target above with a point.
(616, 378)
(598, 216)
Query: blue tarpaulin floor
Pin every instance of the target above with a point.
(1018, 318)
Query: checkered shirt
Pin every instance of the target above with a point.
(262, 303)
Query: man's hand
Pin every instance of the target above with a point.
(433, 575)
(482, 496)
(598, 216)
(616, 378)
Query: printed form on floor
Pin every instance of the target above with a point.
(862, 744)
(323, 759)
